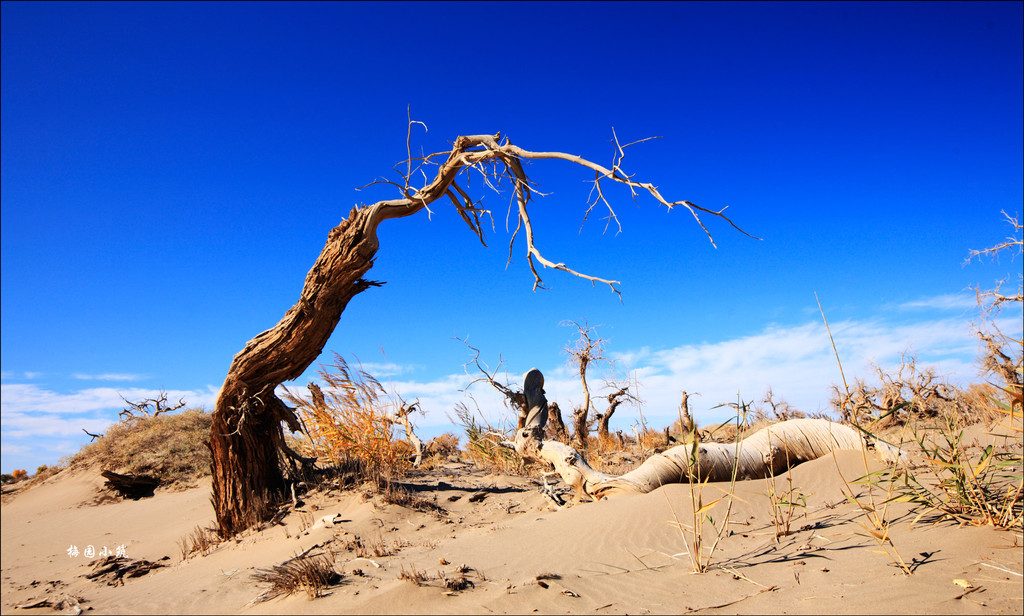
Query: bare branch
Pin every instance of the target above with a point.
(516, 399)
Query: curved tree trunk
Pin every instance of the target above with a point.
(767, 451)
(615, 399)
(246, 437)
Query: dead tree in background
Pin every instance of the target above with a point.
(513, 397)
(615, 399)
(588, 349)
(139, 409)
(247, 437)
(558, 429)
(1002, 355)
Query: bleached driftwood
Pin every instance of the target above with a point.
(767, 451)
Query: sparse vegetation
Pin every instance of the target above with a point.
(692, 534)
(311, 574)
(351, 417)
(485, 443)
(413, 576)
(200, 542)
(171, 447)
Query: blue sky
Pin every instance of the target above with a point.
(171, 171)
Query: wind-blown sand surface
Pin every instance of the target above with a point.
(611, 557)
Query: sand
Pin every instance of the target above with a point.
(621, 556)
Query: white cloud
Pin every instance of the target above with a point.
(108, 377)
(27, 398)
(385, 370)
(40, 425)
(950, 301)
(797, 363)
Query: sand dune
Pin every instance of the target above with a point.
(625, 555)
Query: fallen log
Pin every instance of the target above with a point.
(768, 451)
(131, 486)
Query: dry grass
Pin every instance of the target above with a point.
(171, 447)
(963, 481)
(351, 417)
(414, 576)
(484, 444)
(311, 574)
(200, 542)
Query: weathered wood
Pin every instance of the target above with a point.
(767, 451)
(246, 435)
(131, 486)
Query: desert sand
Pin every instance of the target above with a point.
(517, 553)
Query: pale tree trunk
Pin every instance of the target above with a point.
(767, 451)
(580, 417)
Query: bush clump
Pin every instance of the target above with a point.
(174, 448)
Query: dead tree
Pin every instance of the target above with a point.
(139, 409)
(558, 430)
(587, 349)
(615, 399)
(767, 451)
(247, 438)
(513, 397)
(1002, 356)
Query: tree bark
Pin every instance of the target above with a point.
(580, 415)
(558, 429)
(247, 435)
(615, 399)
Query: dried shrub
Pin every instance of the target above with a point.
(199, 541)
(443, 447)
(484, 444)
(311, 574)
(416, 577)
(174, 448)
(908, 393)
(395, 494)
(455, 582)
(351, 417)
(964, 481)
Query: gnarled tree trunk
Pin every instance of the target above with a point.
(247, 438)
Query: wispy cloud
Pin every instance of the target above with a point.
(796, 362)
(108, 376)
(386, 370)
(10, 375)
(950, 301)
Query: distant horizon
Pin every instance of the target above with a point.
(170, 173)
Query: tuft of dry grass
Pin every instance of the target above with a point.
(970, 484)
(484, 444)
(200, 541)
(352, 417)
(414, 576)
(311, 574)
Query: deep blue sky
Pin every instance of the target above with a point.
(170, 172)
